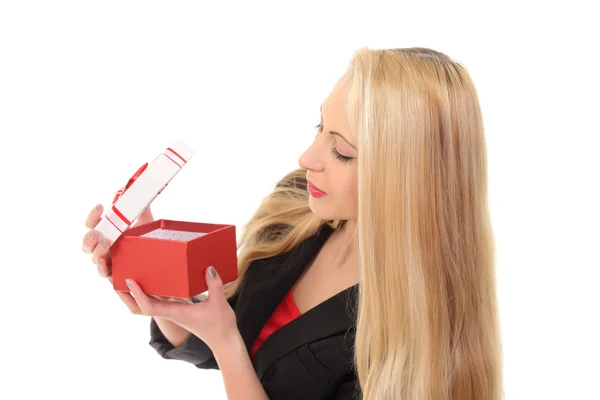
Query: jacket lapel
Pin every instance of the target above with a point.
(266, 283)
(334, 315)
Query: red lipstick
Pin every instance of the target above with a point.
(314, 191)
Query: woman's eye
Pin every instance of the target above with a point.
(334, 152)
(338, 156)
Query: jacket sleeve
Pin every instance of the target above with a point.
(347, 390)
(193, 350)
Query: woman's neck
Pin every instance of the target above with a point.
(345, 246)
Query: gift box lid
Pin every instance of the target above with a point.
(142, 188)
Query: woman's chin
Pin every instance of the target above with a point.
(322, 211)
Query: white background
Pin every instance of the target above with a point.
(89, 91)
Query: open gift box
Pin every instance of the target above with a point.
(169, 258)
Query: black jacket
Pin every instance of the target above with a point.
(309, 358)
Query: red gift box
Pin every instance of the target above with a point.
(169, 258)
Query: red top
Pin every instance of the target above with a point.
(285, 312)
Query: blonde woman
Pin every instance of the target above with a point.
(369, 272)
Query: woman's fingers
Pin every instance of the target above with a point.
(214, 284)
(103, 269)
(90, 239)
(145, 303)
(101, 256)
(133, 305)
(150, 306)
(100, 248)
(94, 217)
(100, 251)
(127, 299)
(130, 302)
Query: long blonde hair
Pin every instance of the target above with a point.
(428, 322)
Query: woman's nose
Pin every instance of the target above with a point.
(312, 158)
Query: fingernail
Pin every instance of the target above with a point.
(128, 282)
(104, 244)
(97, 208)
(91, 235)
(212, 272)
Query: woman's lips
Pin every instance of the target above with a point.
(315, 191)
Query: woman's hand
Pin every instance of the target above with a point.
(101, 257)
(212, 321)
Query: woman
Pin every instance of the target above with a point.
(368, 272)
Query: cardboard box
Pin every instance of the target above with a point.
(168, 258)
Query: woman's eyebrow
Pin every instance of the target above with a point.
(337, 133)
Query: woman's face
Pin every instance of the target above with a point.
(331, 162)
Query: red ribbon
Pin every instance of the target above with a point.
(130, 182)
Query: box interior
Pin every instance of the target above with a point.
(162, 226)
(172, 234)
